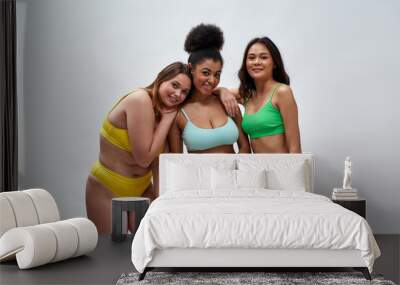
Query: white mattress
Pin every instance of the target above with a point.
(252, 218)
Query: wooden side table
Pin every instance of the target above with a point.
(358, 206)
(120, 208)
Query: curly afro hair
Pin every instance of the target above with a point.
(204, 36)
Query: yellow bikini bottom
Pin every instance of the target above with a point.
(120, 185)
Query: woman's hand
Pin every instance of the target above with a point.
(228, 99)
(169, 113)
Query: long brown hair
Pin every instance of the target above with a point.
(165, 74)
(247, 86)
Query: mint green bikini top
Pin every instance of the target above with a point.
(196, 138)
(265, 122)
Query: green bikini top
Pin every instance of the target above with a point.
(265, 122)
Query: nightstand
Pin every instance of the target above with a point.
(358, 206)
(120, 208)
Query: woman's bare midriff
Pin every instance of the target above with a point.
(270, 144)
(218, 149)
(119, 160)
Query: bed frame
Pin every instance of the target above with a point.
(246, 259)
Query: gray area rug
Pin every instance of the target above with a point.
(270, 278)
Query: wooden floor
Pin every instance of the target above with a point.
(110, 260)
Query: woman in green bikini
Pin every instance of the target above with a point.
(271, 116)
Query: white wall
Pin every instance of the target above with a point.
(76, 57)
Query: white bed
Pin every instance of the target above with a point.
(218, 210)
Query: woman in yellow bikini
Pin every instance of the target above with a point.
(131, 138)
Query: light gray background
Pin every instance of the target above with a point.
(77, 57)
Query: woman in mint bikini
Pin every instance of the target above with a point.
(202, 123)
(271, 116)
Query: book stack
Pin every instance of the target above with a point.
(344, 194)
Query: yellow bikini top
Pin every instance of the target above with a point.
(116, 136)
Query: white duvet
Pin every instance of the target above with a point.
(252, 218)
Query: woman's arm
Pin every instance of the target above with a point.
(243, 140)
(175, 138)
(229, 99)
(288, 108)
(146, 142)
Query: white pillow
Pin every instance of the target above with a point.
(281, 174)
(182, 177)
(292, 178)
(223, 179)
(251, 178)
(226, 179)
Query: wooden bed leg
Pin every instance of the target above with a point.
(364, 271)
(143, 274)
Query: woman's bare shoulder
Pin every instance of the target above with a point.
(284, 96)
(284, 92)
(140, 97)
(284, 89)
